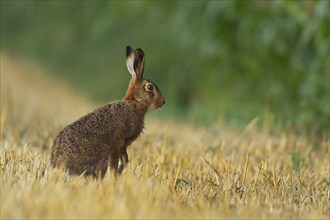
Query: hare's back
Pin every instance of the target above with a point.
(104, 120)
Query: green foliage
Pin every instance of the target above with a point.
(327, 182)
(297, 161)
(212, 59)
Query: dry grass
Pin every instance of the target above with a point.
(176, 171)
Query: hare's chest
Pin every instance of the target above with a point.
(134, 129)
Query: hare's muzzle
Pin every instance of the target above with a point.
(159, 103)
(162, 102)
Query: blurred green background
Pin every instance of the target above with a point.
(213, 60)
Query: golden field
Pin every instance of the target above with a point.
(175, 170)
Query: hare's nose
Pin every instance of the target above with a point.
(163, 102)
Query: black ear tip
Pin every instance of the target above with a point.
(129, 50)
(140, 51)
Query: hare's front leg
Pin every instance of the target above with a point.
(123, 158)
(114, 159)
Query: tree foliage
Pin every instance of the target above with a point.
(227, 59)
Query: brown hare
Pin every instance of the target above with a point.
(100, 139)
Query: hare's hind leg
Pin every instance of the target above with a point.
(93, 160)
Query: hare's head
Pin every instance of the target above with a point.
(141, 90)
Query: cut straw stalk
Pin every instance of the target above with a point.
(255, 182)
(176, 176)
(246, 166)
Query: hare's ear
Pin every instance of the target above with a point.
(135, 62)
(139, 62)
(130, 57)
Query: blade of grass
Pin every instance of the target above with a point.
(218, 177)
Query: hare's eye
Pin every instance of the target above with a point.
(150, 87)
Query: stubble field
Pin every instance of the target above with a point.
(175, 170)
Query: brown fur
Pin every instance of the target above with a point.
(100, 139)
(130, 91)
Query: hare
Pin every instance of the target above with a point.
(100, 139)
